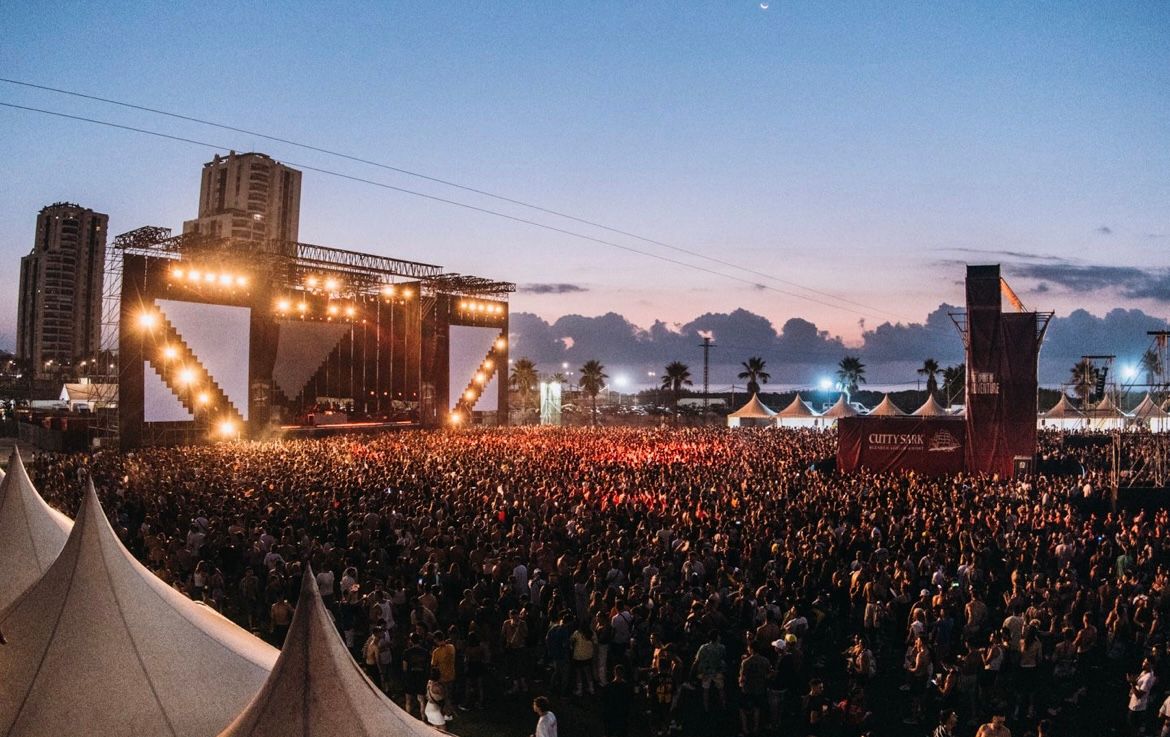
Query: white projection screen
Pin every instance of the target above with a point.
(218, 337)
(469, 346)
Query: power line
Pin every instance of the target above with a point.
(434, 198)
(447, 183)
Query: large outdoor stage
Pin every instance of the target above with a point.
(235, 339)
(997, 434)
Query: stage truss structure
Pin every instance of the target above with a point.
(289, 264)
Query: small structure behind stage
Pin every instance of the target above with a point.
(997, 435)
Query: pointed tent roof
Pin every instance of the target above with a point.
(31, 532)
(101, 644)
(1106, 408)
(1147, 409)
(754, 409)
(840, 409)
(930, 408)
(797, 408)
(316, 688)
(886, 408)
(1063, 410)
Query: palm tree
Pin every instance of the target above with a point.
(674, 378)
(523, 380)
(930, 370)
(851, 374)
(593, 378)
(753, 371)
(559, 378)
(1084, 376)
(954, 382)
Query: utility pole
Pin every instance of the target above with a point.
(707, 345)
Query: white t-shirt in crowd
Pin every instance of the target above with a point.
(1145, 682)
(546, 726)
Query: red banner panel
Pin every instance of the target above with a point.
(927, 445)
(1001, 391)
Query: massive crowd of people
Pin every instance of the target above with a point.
(692, 581)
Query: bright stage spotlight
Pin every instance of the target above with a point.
(332, 309)
(456, 418)
(204, 398)
(469, 395)
(487, 364)
(1129, 373)
(825, 385)
(480, 377)
(303, 307)
(194, 275)
(331, 285)
(621, 381)
(226, 428)
(147, 320)
(311, 282)
(186, 376)
(388, 291)
(350, 311)
(209, 277)
(241, 281)
(170, 353)
(283, 305)
(225, 280)
(177, 273)
(501, 344)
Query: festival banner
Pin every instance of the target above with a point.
(928, 445)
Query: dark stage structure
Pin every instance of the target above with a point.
(997, 435)
(222, 339)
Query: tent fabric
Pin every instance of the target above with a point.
(1063, 410)
(797, 408)
(886, 408)
(840, 409)
(31, 532)
(930, 408)
(754, 409)
(101, 646)
(1106, 408)
(316, 688)
(1147, 409)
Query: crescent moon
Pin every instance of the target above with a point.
(763, 6)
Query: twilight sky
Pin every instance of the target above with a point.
(865, 150)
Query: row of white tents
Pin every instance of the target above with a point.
(1105, 415)
(97, 645)
(800, 414)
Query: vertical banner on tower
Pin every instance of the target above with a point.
(1002, 352)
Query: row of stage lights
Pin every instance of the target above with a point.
(332, 285)
(196, 277)
(186, 376)
(286, 307)
(471, 306)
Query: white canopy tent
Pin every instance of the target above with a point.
(31, 533)
(316, 688)
(1151, 415)
(100, 646)
(1063, 416)
(886, 408)
(839, 409)
(753, 414)
(798, 413)
(931, 408)
(1107, 416)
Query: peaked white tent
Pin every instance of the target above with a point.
(1063, 416)
(753, 414)
(798, 413)
(316, 688)
(1106, 415)
(31, 533)
(100, 646)
(840, 409)
(931, 408)
(886, 408)
(1153, 416)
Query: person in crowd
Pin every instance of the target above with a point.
(617, 703)
(546, 722)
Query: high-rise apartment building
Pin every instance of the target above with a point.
(249, 197)
(60, 312)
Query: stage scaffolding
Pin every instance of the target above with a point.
(287, 266)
